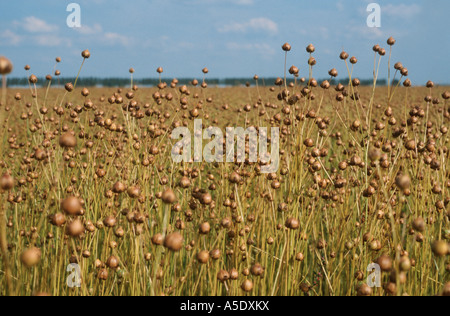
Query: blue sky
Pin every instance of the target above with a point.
(233, 38)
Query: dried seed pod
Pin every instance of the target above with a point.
(204, 228)
(58, 220)
(86, 54)
(223, 276)
(75, 228)
(247, 286)
(174, 242)
(169, 196)
(69, 87)
(391, 41)
(343, 55)
(419, 224)
(6, 182)
(203, 257)
(31, 257)
(6, 67)
(440, 248)
(364, 290)
(119, 187)
(157, 240)
(385, 263)
(67, 140)
(286, 47)
(113, 262)
(71, 206)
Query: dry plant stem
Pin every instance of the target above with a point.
(4, 89)
(4, 250)
(78, 75)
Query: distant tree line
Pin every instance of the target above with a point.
(151, 82)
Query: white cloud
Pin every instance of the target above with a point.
(49, 40)
(244, 2)
(401, 10)
(237, 2)
(256, 24)
(33, 24)
(115, 38)
(10, 38)
(89, 30)
(262, 48)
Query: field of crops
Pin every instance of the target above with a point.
(93, 204)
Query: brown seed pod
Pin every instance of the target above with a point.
(33, 79)
(343, 55)
(257, 270)
(185, 182)
(203, 257)
(364, 290)
(6, 67)
(333, 73)
(440, 248)
(169, 196)
(204, 228)
(71, 206)
(119, 187)
(223, 276)
(292, 223)
(69, 87)
(86, 54)
(385, 263)
(113, 262)
(157, 240)
(110, 221)
(247, 286)
(446, 291)
(403, 181)
(235, 178)
(391, 41)
(419, 224)
(174, 242)
(446, 95)
(67, 140)
(299, 257)
(75, 228)
(286, 47)
(310, 48)
(58, 220)
(31, 257)
(6, 182)
(103, 274)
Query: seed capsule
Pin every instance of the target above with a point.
(286, 47)
(68, 141)
(174, 242)
(6, 67)
(247, 286)
(71, 206)
(31, 257)
(6, 182)
(86, 54)
(75, 229)
(169, 197)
